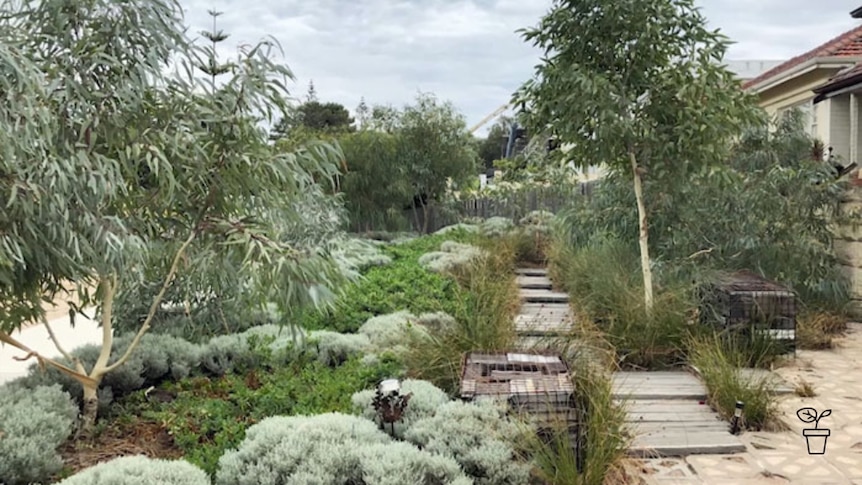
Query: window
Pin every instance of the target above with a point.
(809, 115)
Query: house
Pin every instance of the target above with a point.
(792, 84)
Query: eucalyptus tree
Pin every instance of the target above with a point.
(107, 155)
(638, 85)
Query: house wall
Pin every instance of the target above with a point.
(848, 248)
(839, 125)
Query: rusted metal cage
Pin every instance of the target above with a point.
(535, 385)
(749, 303)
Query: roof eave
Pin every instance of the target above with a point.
(857, 13)
(851, 84)
(804, 68)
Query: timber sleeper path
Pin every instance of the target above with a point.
(668, 415)
(666, 410)
(544, 312)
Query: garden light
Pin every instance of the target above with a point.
(737, 416)
(389, 403)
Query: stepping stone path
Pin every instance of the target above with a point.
(667, 413)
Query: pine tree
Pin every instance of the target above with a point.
(362, 113)
(213, 68)
(311, 97)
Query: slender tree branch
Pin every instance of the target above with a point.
(56, 342)
(109, 287)
(81, 377)
(156, 301)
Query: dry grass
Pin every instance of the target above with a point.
(804, 389)
(817, 330)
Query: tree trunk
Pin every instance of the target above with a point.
(643, 239)
(89, 411)
(425, 218)
(416, 221)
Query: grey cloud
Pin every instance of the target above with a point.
(466, 51)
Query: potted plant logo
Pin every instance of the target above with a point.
(815, 437)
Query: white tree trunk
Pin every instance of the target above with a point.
(643, 238)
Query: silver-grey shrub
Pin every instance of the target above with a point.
(335, 348)
(330, 449)
(157, 357)
(140, 470)
(425, 400)
(33, 423)
(479, 436)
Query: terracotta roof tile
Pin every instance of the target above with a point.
(848, 44)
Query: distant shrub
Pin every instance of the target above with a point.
(452, 256)
(33, 423)
(335, 348)
(458, 227)
(437, 322)
(496, 226)
(355, 255)
(423, 403)
(330, 448)
(478, 436)
(140, 470)
(390, 330)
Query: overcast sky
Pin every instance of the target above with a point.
(467, 51)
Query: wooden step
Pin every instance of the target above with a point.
(543, 296)
(686, 442)
(532, 271)
(670, 385)
(543, 324)
(534, 282)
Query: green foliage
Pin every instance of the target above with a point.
(376, 186)
(140, 470)
(605, 440)
(33, 424)
(208, 416)
(603, 287)
(435, 148)
(315, 117)
(156, 358)
(402, 285)
(718, 361)
(493, 146)
(653, 97)
(770, 209)
(483, 307)
(649, 79)
(126, 169)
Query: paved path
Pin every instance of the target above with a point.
(782, 457)
(36, 337)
